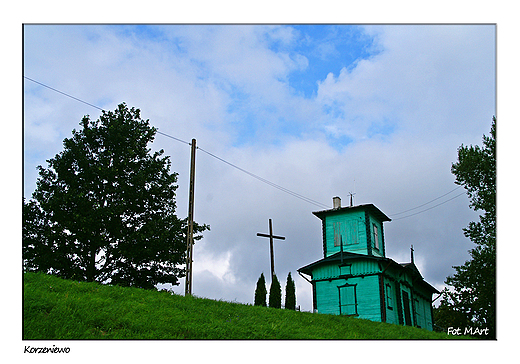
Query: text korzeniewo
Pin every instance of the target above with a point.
(45, 350)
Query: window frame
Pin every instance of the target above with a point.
(336, 227)
(355, 304)
(375, 234)
(389, 299)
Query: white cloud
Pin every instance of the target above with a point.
(217, 265)
(423, 78)
(406, 109)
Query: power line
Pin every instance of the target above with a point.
(63, 93)
(424, 204)
(420, 212)
(174, 138)
(96, 107)
(283, 189)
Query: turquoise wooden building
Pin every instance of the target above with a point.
(356, 278)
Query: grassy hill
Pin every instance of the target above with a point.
(55, 308)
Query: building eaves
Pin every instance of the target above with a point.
(368, 207)
(338, 257)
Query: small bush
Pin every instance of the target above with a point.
(260, 292)
(290, 293)
(275, 294)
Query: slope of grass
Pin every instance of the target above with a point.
(55, 308)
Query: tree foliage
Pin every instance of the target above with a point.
(275, 293)
(104, 209)
(261, 292)
(472, 289)
(290, 293)
(446, 316)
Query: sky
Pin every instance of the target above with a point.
(320, 110)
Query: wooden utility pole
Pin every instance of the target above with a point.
(271, 237)
(189, 243)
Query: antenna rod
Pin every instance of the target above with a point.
(351, 198)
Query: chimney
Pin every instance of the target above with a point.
(336, 202)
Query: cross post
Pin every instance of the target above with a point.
(271, 237)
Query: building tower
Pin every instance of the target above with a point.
(356, 278)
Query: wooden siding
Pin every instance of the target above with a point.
(383, 240)
(423, 313)
(355, 268)
(366, 291)
(395, 289)
(356, 231)
(366, 288)
(349, 229)
(379, 250)
(406, 306)
(392, 316)
(327, 296)
(396, 282)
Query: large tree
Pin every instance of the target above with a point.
(472, 289)
(104, 209)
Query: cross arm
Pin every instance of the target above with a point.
(269, 236)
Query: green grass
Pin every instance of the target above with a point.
(55, 308)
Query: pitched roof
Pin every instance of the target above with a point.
(368, 207)
(339, 257)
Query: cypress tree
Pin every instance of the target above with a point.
(290, 293)
(275, 294)
(260, 292)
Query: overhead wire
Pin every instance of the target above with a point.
(424, 204)
(420, 212)
(63, 93)
(272, 184)
(283, 189)
(174, 138)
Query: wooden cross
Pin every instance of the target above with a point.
(271, 237)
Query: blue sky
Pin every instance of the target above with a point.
(328, 48)
(309, 52)
(322, 110)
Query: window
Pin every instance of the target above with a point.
(376, 236)
(418, 312)
(406, 309)
(337, 234)
(345, 232)
(347, 300)
(389, 300)
(345, 269)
